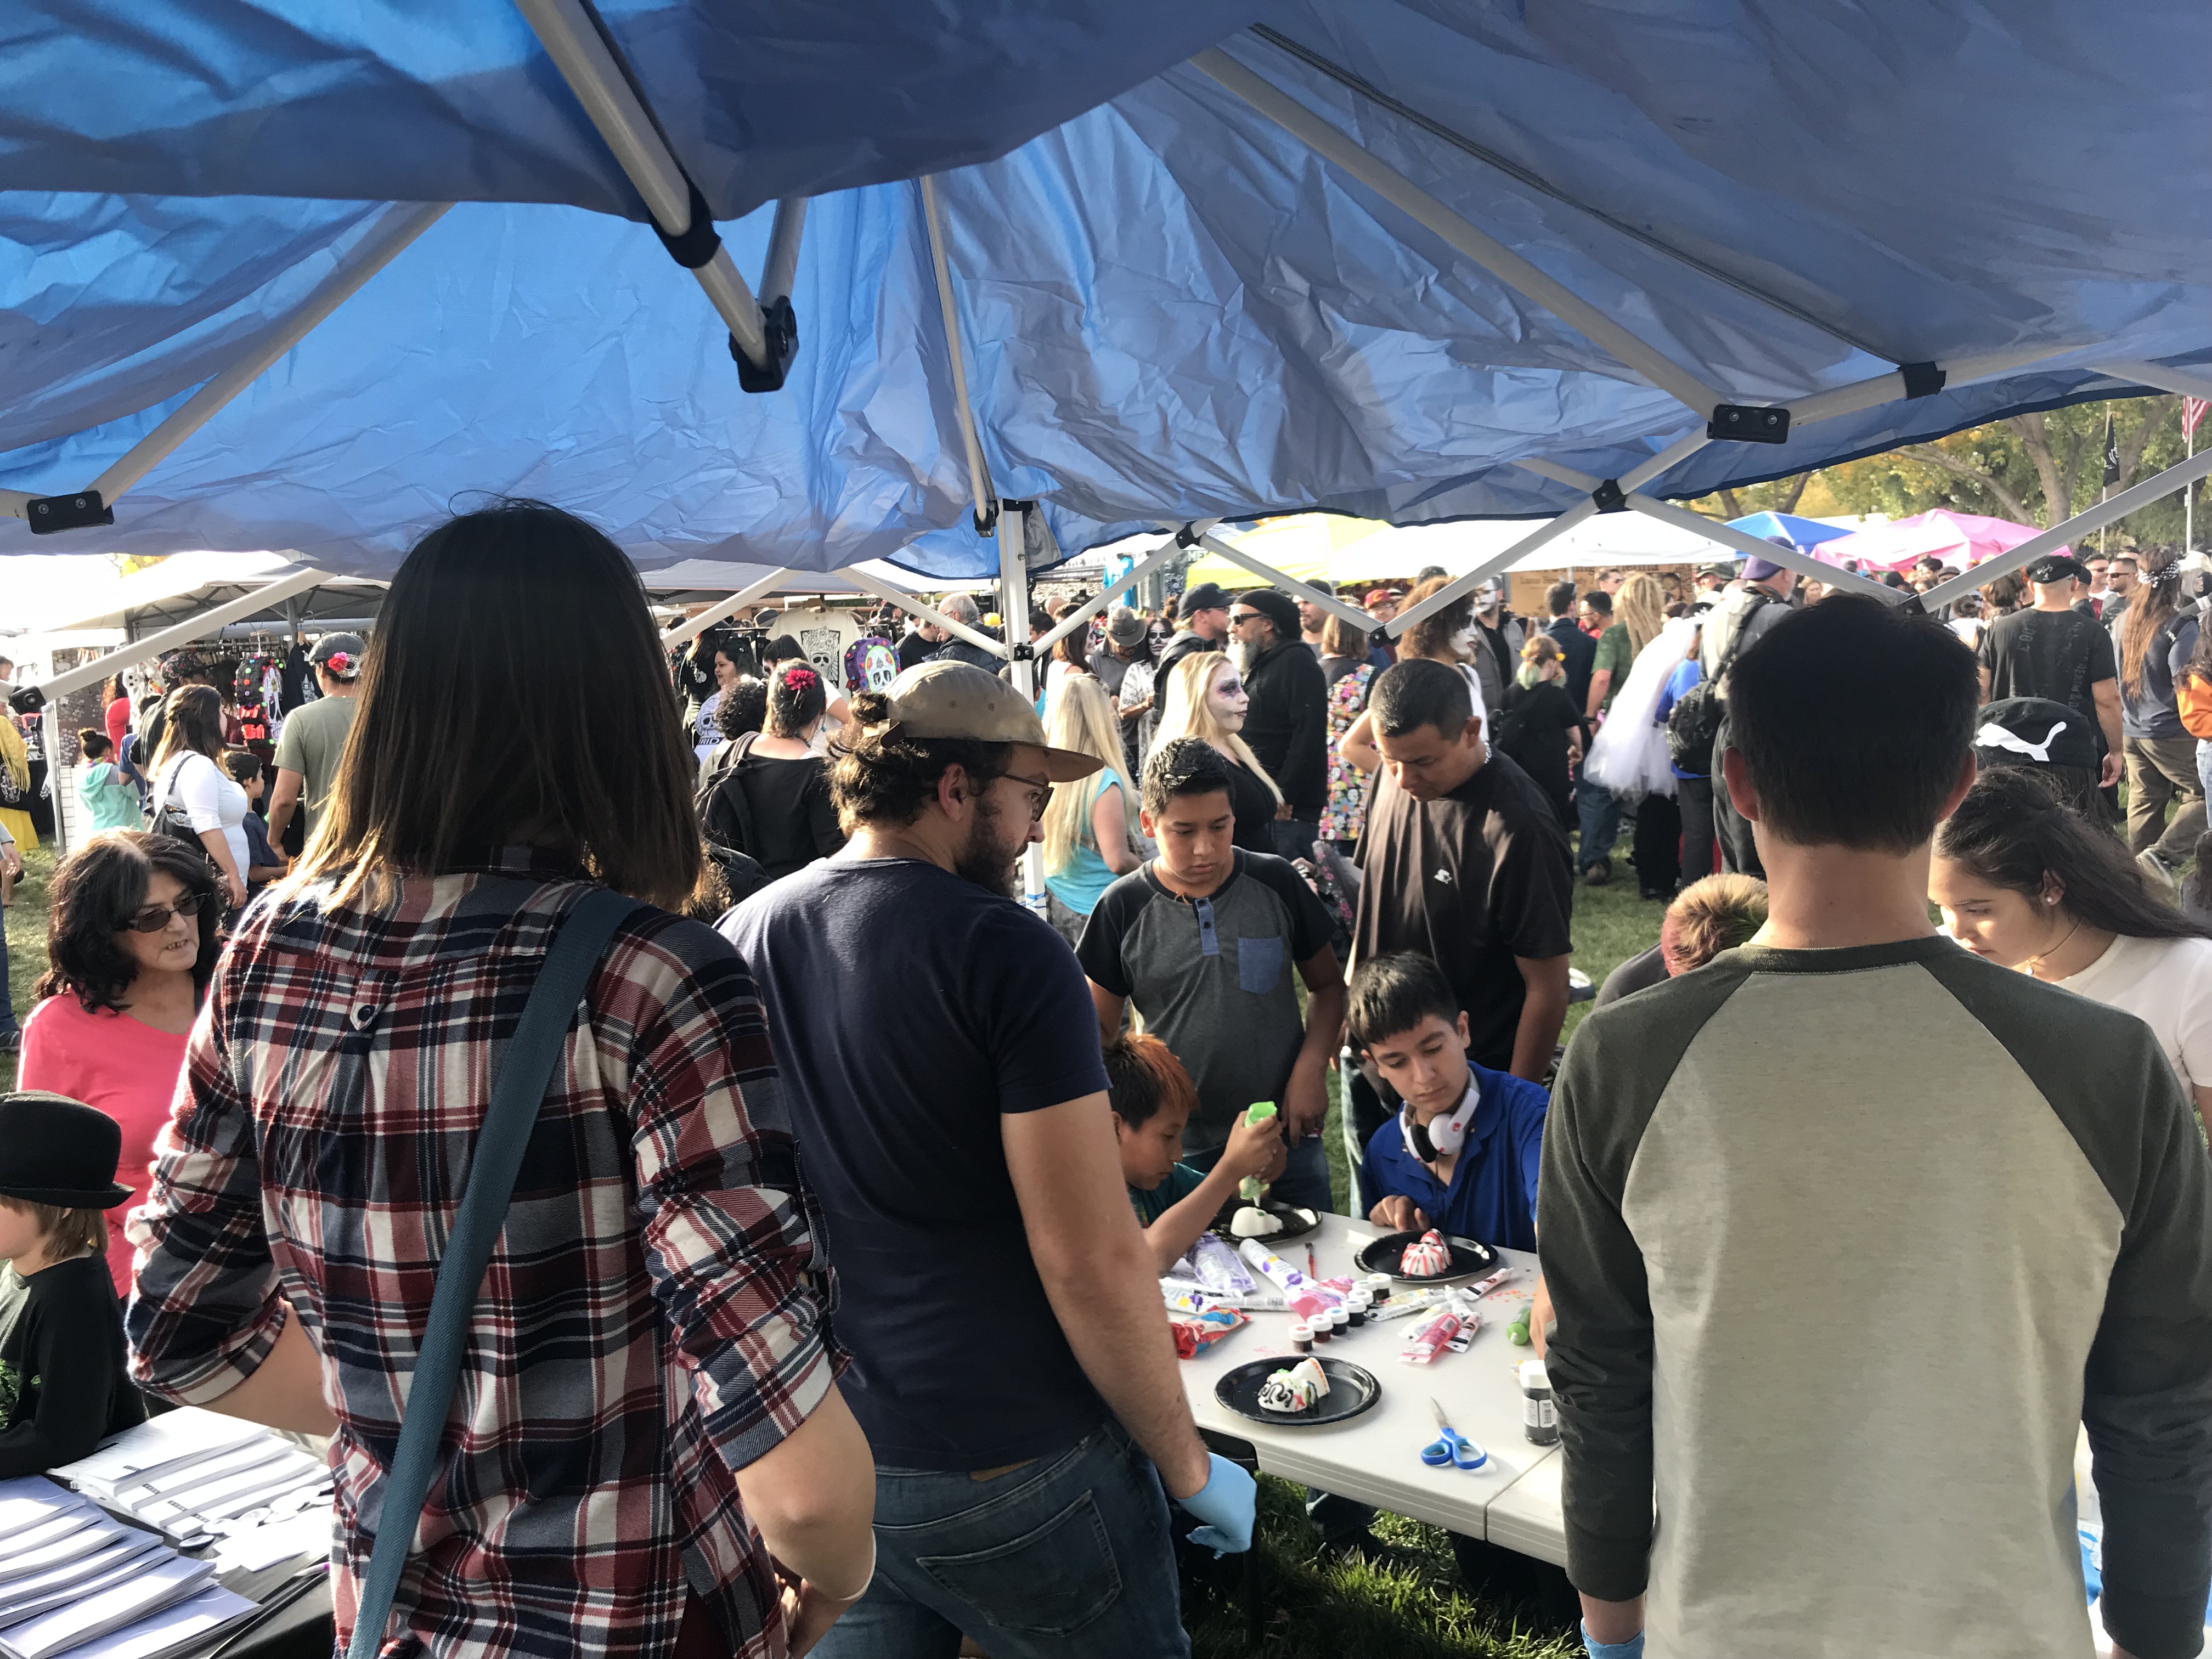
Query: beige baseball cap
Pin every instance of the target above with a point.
(959, 700)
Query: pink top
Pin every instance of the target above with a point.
(125, 1067)
(116, 718)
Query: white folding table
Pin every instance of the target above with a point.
(1376, 1456)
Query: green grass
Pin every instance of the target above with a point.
(26, 942)
(1410, 1608)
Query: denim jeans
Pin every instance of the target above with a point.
(1304, 1179)
(1068, 1555)
(1294, 837)
(1600, 816)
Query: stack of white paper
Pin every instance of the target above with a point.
(195, 1474)
(138, 1595)
(191, 1623)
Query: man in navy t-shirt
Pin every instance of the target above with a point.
(1010, 1363)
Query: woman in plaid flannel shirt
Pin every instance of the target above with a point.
(651, 1375)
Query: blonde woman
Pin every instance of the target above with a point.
(1087, 824)
(1639, 611)
(1207, 699)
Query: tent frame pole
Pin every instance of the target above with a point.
(1290, 585)
(1493, 255)
(1021, 663)
(395, 231)
(1090, 608)
(29, 698)
(2157, 486)
(692, 627)
(567, 31)
(914, 607)
(982, 494)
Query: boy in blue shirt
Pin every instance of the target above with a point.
(1463, 1150)
(1152, 1095)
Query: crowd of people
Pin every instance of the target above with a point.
(834, 1249)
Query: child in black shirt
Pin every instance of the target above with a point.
(62, 1384)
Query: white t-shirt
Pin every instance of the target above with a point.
(203, 791)
(2167, 984)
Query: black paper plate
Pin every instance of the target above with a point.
(1352, 1390)
(1468, 1259)
(1292, 1227)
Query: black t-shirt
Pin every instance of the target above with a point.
(1532, 727)
(62, 1386)
(2058, 654)
(910, 1011)
(787, 807)
(1253, 804)
(913, 648)
(1474, 879)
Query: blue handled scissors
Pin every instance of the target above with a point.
(1452, 1447)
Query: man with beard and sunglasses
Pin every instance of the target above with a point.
(939, 1049)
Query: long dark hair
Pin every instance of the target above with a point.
(191, 718)
(2014, 831)
(1431, 636)
(2150, 607)
(468, 736)
(795, 700)
(104, 883)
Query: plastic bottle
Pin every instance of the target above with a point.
(1249, 1188)
(1540, 1413)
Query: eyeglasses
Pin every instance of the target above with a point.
(1237, 616)
(155, 917)
(1039, 801)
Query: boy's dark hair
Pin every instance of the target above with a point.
(1395, 993)
(1144, 1077)
(1419, 692)
(67, 1233)
(1184, 766)
(1854, 719)
(887, 779)
(242, 764)
(1600, 601)
(1559, 598)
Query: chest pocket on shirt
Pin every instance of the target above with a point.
(1259, 965)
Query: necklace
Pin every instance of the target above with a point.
(2045, 956)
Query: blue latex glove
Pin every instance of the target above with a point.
(1226, 1503)
(1632, 1649)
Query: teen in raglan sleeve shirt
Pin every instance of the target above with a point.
(1847, 1231)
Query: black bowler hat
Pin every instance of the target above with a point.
(59, 1151)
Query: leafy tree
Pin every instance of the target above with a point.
(2017, 468)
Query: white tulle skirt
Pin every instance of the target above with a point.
(1630, 755)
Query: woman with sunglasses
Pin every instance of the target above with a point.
(131, 946)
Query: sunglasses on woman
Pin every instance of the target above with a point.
(155, 917)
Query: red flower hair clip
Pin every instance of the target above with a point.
(798, 679)
(339, 661)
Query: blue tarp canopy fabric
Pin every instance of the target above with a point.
(1804, 534)
(1169, 307)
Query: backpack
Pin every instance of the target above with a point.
(1694, 725)
(726, 819)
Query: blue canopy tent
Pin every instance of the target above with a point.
(1804, 534)
(1417, 259)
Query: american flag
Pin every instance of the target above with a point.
(2192, 411)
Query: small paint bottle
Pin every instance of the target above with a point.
(1357, 1304)
(1302, 1336)
(1339, 1322)
(1378, 1286)
(1539, 1412)
(1318, 1328)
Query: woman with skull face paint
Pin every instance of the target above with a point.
(1207, 699)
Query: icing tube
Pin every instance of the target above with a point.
(1184, 1298)
(1218, 1267)
(1429, 1338)
(1249, 1188)
(1407, 1303)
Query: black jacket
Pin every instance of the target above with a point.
(1174, 651)
(1287, 726)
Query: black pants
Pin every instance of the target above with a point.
(1693, 798)
(1658, 844)
(1739, 852)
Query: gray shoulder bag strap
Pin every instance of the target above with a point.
(525, 1072)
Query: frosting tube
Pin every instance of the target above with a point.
(1304, 1297)
(1429, 1338)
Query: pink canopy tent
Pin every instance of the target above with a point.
(1958, 538)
